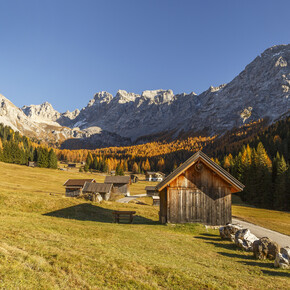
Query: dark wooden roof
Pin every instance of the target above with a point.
(152, 173)
(189, 162)
(98, 187)
(117, 179)
(150, 188)
(77, 182)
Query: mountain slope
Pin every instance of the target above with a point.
(260, 91)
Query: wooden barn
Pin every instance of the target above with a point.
(134, 178)
(121, 184)
(197, 191)
(74, 187)
(151, 191)
(98, 191)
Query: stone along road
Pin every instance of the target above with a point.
(282, 240)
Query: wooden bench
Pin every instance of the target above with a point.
(123, 215)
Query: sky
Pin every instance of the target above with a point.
(64, 51)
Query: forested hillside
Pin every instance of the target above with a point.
(263, 166)
(18, 149)
(257, 155)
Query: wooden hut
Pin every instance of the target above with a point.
(121, 184)
(151, 191)
(197, 191)
(156, 200)
(134, 178)
(98, 191)
(74, 187)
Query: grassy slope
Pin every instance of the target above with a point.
(275, 220)
(49, 241)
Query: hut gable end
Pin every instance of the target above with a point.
(198, 191)
(204, 159)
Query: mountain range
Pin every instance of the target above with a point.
(260, 91)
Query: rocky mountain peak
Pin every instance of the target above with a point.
(158, 96)
(101, 97)
(41, 113)
(123, 97)
(260, 91)
(71, 115)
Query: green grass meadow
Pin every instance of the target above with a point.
(49, 241)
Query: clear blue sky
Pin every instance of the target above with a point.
(65, 51)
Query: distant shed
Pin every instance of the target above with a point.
(197, 191)
(74, 187)
(151, 191)
(121, 184)
(99, 191)
(71, 165)
(134, 178)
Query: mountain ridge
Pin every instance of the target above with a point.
(260, 91)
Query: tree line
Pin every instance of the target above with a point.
(266, 180)
(18, 149)
(258, 156)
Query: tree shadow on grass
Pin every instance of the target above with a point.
(89, 212)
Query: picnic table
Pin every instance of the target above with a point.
(123, 215)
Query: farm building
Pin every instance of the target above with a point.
(134, 178)
(98, 191)
(154, 176)
(156, 200)
(120, 183)
(151, 190)
(74, 187)
(197, 191)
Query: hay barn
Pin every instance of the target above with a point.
(197, 191)
(74, 187)
(151, 190)
(98, 191)
(121, 184)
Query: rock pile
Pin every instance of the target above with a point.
(228, 232)
(265, 248)
(244, 239)
(283, 258)
(262, 249)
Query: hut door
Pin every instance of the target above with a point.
(172, 205)
(196, 206)
(184, 205)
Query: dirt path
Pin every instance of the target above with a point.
(129, 198)
(282, 240)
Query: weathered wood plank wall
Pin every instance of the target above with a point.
(196, 197)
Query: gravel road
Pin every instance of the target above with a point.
(282, 240)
